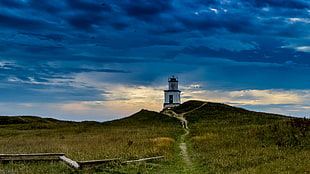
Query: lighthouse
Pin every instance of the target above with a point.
(172, 95)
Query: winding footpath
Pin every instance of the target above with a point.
(183, 145)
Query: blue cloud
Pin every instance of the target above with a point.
(34, 93)
(12, 3)
(298, 4)
(88, 6)
(146, 10)
(46, 36)
(253, 44)
(9, 21)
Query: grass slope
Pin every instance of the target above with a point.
(226, 139)
(5, 120)
(145, 118)
(141, 135)
(222, 139)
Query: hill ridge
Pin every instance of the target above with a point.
(183, 108)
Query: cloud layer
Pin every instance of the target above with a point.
(72, 54)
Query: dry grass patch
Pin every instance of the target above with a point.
(164, 146)
(143, 135)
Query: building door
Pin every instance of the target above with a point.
(170, 98)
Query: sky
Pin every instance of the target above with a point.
(106, 59)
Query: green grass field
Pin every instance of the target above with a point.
(222, 139)
(144, 134)
(226, 139)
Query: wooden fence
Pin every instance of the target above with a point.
(31, 157)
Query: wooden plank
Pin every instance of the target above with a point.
(94, 163)
(33, 154)
(29, 160)
(60, 156)
(30, 157)
(70, 162)
(144, 159)
(99, 161)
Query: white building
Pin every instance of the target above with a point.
(172, 95)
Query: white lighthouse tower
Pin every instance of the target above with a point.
(172, 95)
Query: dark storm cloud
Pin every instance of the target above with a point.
(45, 7)
(48, 93)
(54, 50)
(79, 70)
(245, 18)
(87, 14)
(146, 10)
(49, 36)
(119, 25)
(211, 23)
(84, 21)
(97, 34)
(46, 84)
(10, 21)
(273, 54)
(12, 3)
(88, 6)
(46, 71)
(79, 14)
(298, 4)
(163, 17)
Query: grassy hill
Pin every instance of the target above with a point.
(222, 139)
(144, 134)
(226, 139)
(145, 118)
(5, 120)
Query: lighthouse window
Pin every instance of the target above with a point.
(172, 86)
(170, 98)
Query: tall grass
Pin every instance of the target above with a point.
(145, 134)
(232, 140)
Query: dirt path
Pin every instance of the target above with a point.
(183, 148)
(183, 145)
